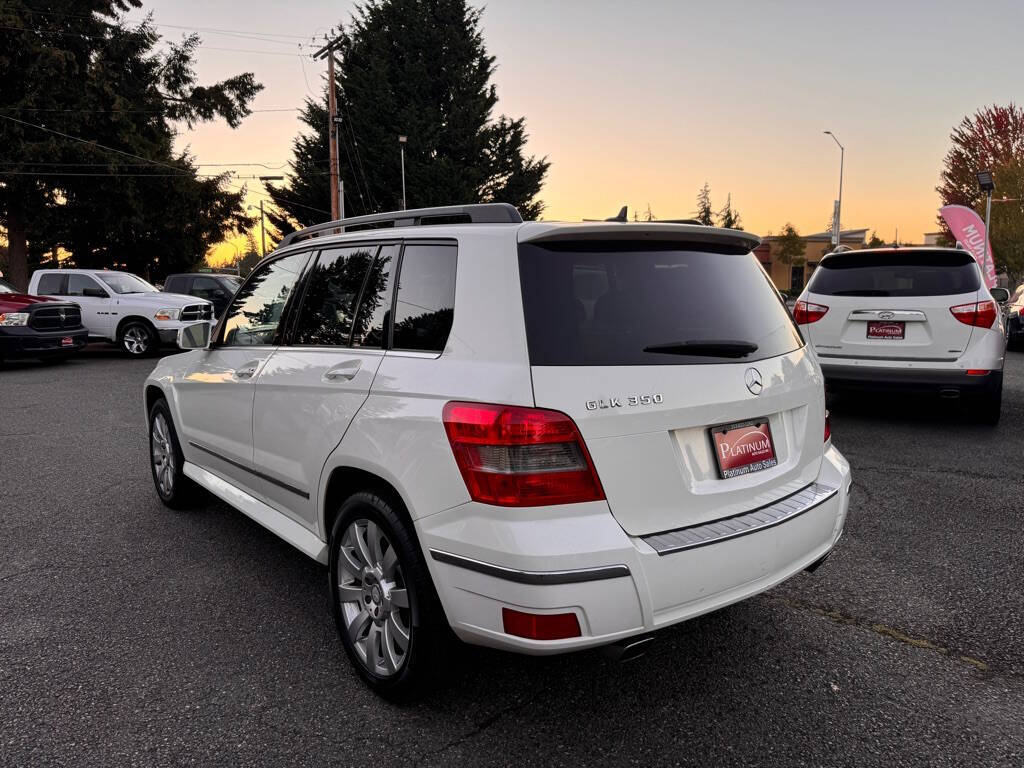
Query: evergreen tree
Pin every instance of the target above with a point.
(729, 217)
(87, 116)
(704, 213)
(417, 68)
(790, 246)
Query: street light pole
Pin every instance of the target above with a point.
(401, 145)
(839, 204)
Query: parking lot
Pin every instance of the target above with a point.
(131, 634)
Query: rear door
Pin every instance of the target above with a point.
(653, 349)
(893, 305)
(312, 387)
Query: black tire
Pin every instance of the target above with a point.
(138, 339)
(180, 492)
(987, 406)
(429, 636)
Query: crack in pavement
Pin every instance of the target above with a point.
(477, 729)
(982, 668)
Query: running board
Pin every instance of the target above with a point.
(276, 522)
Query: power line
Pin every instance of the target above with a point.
(128, 111)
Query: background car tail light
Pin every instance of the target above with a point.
(540, 626)
(828, 426)
(520, 457)
(807, 312)
(981, 314)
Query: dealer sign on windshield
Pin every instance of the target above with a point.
(743, 447)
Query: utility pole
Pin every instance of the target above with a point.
(337, 193)
(263, 228)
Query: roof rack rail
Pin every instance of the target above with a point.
(479, 213)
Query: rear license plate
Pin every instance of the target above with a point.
(67, 341)
(884, 330)
(743, 447)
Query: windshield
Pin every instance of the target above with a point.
(122, 282)
(231, 283)
(896, 273)
(6, 287)
(592, 303)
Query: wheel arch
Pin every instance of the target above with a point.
(345, 480)
(135, 318)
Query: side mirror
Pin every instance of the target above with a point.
(96, 293)
(1001, 295)
(195, 336)
(219, 293)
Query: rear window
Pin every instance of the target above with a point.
(902, 273)
(640, 304)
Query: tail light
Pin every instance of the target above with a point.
(807, 312)
(540, 626)
(828, 427)
(520, 457)
(981, 314)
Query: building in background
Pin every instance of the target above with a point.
(793, 277)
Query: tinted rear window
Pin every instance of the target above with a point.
(903, 273)
(594, 304)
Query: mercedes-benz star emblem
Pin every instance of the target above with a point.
(753, 381)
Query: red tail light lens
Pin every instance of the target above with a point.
(828, 426)
(520, 457)
(981, 314)
(540, 626)
(807, 312)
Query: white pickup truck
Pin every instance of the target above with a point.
(123, 308)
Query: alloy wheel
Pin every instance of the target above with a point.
(136, 340)
(373, 598)
(163, 454)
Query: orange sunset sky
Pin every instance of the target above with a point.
(640, 103)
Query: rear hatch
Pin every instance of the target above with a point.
(653, 348)
(892, 305)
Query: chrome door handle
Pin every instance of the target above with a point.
(344, 372)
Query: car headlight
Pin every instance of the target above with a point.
(14, 318)
(167, 314)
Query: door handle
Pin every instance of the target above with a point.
(248, 370)
(344, 372)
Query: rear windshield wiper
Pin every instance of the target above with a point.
(709, 348)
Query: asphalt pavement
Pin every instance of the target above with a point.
(133, 635)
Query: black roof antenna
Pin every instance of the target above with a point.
(621, 216)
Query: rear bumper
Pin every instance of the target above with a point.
(21, 341)
(577, 558)
(915, 380)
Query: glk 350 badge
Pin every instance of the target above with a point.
(628, 400)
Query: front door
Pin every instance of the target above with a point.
(311, 389)
(215, 398)
(96, 304)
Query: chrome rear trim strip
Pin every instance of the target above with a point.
(726, 528)
(531, 577)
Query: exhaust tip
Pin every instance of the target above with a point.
(629, 649)
(949, 394)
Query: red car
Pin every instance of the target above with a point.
(38, 326)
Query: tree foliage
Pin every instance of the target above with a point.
(729, 217)
(790, 245)
(992, 138)
(704, 213)
(88, 110)
(875, 241)
(417, 68)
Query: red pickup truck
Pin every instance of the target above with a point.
(38, 326)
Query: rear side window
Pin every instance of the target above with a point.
(425, 304)
(898, 273)
(329, 306)
(51, 285)
(622, 303)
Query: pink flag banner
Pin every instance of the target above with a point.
(968, 229)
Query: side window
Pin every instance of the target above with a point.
(375, 308)
(332, 291)
(204, 287)
(258, 306)
(174, 285)
(51, 285)
(426, 298)
(78, 283)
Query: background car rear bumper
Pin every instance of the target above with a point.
(576, 558)
(923, 380)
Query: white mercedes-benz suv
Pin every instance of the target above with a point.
(913, 319)
(542, 436)
(122, 307)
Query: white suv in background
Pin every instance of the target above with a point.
(911, 319)
(544, 436)
(123, 308)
